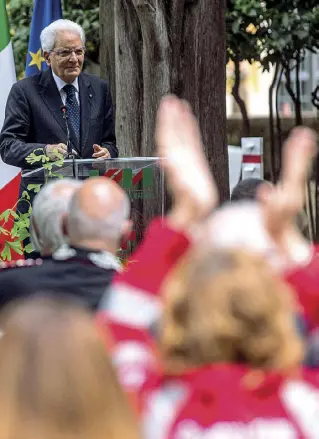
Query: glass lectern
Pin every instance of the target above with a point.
(141, 177)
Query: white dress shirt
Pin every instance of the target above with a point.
(60, 84)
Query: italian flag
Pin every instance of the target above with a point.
(9, 175)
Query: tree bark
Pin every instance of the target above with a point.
(155, 64)
(278, 158)
(203, 80)
(272, 149)
(163, 46)
(245, 131)
(107, 54)
(298, 94)
(129, 79)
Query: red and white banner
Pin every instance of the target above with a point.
(9, 175)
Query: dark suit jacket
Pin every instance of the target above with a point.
(76, 276)
(34, 119)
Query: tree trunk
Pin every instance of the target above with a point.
(278, 122)
(245, 131)
(165, 46)
(129, 79)
(298, 94)
(155, 64)
(272, 149)
(107, 55)
(203, 79)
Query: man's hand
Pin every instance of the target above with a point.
(51, 150)
(100, 152)
(188, 176)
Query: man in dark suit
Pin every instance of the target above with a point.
(33, 114)
(34, 120)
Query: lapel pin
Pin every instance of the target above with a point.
(90, 95)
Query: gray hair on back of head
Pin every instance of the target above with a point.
(48, 208)
(49, 33)
(82, 226)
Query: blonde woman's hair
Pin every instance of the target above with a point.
(227, 306)
(56, 379)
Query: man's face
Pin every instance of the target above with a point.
(65, 64)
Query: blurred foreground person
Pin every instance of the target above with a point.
(56, 380)
(269, 227)
(226, 362)
(248, 191)
(96, 221)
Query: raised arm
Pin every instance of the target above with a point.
(133, 303)
(281, 205)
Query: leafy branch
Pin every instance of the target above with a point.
(15, 225)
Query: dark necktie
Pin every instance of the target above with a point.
(73, 109)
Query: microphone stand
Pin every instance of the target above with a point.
(70, 155)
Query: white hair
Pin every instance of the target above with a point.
(82, 226)
(49, 33)
(48, 208)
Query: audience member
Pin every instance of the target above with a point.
(247, 189)
(97, 220)
(49, 207)
(56, 379)
(220, 306)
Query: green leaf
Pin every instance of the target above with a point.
(252, 13)
(28, 248)
(302, 34)
(4, 231)
(15, 230)
(235, 26)
(285, 19)
(56, 175)
(22, 223)
(34, 187)
(33, 158)
(16, 246)
(14, 215)
(48, 166)
(6, 253)
(25, 195)
(5, 215)
(22, 234)
(59, 162)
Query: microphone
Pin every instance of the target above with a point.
(65, 116)
(70, 155)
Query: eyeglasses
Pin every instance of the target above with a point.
(67, 53)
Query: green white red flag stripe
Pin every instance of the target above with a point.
(9, 175)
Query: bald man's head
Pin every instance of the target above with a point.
(99, 212)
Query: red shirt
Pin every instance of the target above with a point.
(213, 402)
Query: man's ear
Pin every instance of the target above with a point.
(126, 232)
(127, 229)
(46, 56)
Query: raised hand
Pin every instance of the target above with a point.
(281, 203)
(189, 179)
